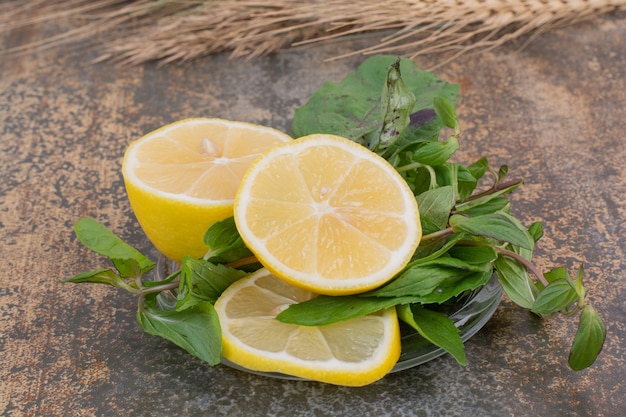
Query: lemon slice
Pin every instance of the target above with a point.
(355, 352)
(183, 177)
(328, 215)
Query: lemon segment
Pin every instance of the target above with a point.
(355, 352)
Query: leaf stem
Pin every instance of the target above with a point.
(529, 265)
(440, 233)
(495, 188)
(416, 165)
(242, 262)
(158, 288)
(410, 167)
(137, 281)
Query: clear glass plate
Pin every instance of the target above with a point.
(469, 314)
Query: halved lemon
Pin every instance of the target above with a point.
(328, 215)
(183, 177)
(355, 352)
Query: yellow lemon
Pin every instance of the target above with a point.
(355, 352)
(183, 177)
(328, 215)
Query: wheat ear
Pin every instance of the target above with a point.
(181, 30)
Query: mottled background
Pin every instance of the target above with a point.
(553, 112)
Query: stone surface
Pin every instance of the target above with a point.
(553, 112)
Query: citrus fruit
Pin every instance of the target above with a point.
(183, 177)
(328, 215)
(355, 352)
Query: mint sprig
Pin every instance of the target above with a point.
(395, 109)
(192, 322)
(456, 217)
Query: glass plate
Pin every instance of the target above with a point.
(469, 314)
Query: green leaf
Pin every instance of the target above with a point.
(481, 256)
(167, 280)
(397, 103)
(420, 281)
(352, 107)
(504, 169)
(465, 182)
(446, 112)
(434, 207)
(203, 281)
(435, 327)
(436, 153)
(422, 179)
(424, 126)
(224, 242)
(489, 206)
(127, 260)
(446, 174)
(465, 206)
(581, 290)
(556, 274)
(435, 281)
(432, 249)
(500, 226)
(516, 282)
(588, 341)
(557, 296)
(460, 178)
(478, 168)
(99, 276)
(453, 288)
(324, 309)
(536, 231)
(196, 330)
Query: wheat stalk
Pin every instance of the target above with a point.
(181, 30)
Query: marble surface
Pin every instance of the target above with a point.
(553, 112)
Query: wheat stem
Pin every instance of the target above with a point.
(181, 30)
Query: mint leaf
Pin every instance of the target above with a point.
(446, 112)
(397, 103)
(434, 207)
(421, 118)
(481, 256)
(325, 309)
(475, 202)
(202, 281)
(516, 282)
(465, 182)
(224, 242)
(588, 341)
(99, 276)
(352, 107)
(435, 281)
(442, 285)
(419, 281)
(196, 329)
(127, 260)
(460, 178)
(557, 296)
(435, 327)
(424, 126)
(478, 168)
(453, 288)
(464, 179)
(499, 226)
(487, 206)
(536, 231)
(502, 171)
(436, 153)
(432, 249)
